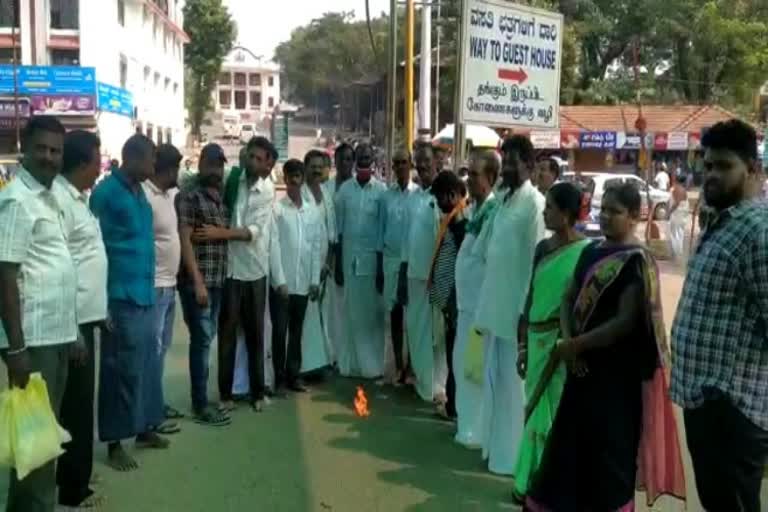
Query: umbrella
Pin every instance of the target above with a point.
(480, 136)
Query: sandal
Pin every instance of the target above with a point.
(212, 418)
(172, 414)
(168, 428)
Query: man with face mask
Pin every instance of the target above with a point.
(507, 249)
(718, 336)
(361, 350)
(424, 344)
(201, 278)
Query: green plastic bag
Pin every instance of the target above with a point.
(474, 357)
(33, 437)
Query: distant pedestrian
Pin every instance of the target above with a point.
(719, 344)
(160, 190)
(548, 173)
(129, 376)
(80, 169)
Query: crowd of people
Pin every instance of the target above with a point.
(547, 350)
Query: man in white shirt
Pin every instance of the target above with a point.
(393, 231)
(249, 194)
(662, 177)
(80, 168)
(39, 321)
(507, 248)
(361, 351)
(426, 349)
(161, 189)
(295, 276)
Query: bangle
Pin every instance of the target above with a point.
(17, 351)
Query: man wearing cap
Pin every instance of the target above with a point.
(201, 278)
(161, 191)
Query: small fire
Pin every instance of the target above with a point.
(361, 403)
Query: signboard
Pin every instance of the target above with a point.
(597, 140)
(114, 99)
(63, 104)
(569, 139)
(511, 65)
(8, 108)
(677, 141)
(48, 80)
(545, 140)
(628, 140)
(660, 142)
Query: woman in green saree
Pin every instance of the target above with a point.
(539, 327)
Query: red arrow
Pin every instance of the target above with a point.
(519, 75)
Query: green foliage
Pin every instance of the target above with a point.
(212, 33)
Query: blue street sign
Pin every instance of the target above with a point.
(114, 99)
(49, 80)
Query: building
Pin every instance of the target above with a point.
(136, 51)
(247, 92)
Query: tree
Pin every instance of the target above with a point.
(212, 33)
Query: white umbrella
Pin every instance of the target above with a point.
(480, 136)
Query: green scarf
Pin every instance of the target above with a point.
(231, 186)
(485, 212)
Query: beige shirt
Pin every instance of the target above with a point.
(166, 226)
(32, 235)
(87, 249)
(249, 261)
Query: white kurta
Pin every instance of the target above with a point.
(393, 232)
(361, 351)
(316, 345)
(508, 248)
(334, 294)
(424, 345)
(470, 270)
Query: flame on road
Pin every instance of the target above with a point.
(361, 403)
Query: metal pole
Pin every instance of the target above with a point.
(425, 70)
(409, 30)
(392, 83)
(436, 124)
(17, 117)
(459, 140)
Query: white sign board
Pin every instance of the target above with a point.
(545, 139)
(511, 65)
(677, 141)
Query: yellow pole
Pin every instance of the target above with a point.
(409, 32)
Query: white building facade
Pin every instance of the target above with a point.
(136, 45)
(248, 91)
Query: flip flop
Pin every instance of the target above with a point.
(172, 414)
(168, 428)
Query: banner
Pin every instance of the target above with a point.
(63, 105)
(628, 140)
(597, 140)
(116, 100)
(545, 140)
(48, 80)
(677, 141)
(660, 142)
(511, 65)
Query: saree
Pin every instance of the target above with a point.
(615, 431)
(551, 278)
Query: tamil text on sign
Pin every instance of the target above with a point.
(511, 65)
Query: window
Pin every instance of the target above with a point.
(240, 100)
(124, 71)
(239, 79)
(271, 102)
(271, 81)
(225, 99)
(121, 12)
(65, 57)
(168, 136)
(6, 55)
(6, 13)
(147, 72)
(65, 14)
(175, 88)
(159, 135)
(254, 79)
(255, 99)
(225, 78)
(167, 84)
(157, 80)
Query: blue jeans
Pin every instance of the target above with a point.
(202, 323)
(165, 309)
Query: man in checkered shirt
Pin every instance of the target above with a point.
(720, 338)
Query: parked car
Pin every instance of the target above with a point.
(247, 132)
(594, 184)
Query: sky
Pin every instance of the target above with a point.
(263, 24)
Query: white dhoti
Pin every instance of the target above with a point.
(391, 278)
(240, 383)
(334, 321)
(362, 351)
(315, 345)
(470, 406)
(505, 406)
(427, 354)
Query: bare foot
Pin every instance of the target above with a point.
(94, 501)
(118, 460)
(226, 406)
(258, 406)
(151, 440)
